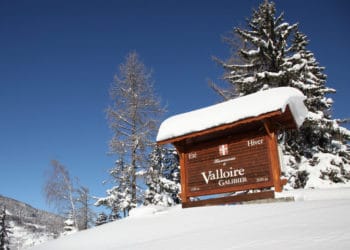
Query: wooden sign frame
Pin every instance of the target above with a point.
(264, 127)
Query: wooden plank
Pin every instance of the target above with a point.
(244, 165)
(184, 176)
(231, 189)
(230, 199)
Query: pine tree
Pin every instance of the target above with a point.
(69, 225)
(321, 142)
(119, 197)
(162, 177)
(4, 231)
(262, 56)
(309, 76)
(101, 219)
(133, 117)
(274, 54)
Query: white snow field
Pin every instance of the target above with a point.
(318, 219)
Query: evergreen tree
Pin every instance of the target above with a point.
(69, 225)
(119, 197)
(4, 231)
(101, 219)
(274, 54)
(320, 142)
(133, 117)
(162, 177)
(265, 45)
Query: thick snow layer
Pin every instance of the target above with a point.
(317, 220)
(234, 110)
(325, 162)
(23, 238)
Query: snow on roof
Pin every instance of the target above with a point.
(234, 110)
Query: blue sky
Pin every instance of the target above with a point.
(58, 59)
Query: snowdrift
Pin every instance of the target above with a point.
(318, 219)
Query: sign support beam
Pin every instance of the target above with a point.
(275, 164)
(183, 174)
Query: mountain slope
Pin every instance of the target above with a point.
(317, 220)
(30, 226)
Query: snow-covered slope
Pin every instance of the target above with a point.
(317, 220)
(30, 226)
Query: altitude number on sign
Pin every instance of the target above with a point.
(262, 179)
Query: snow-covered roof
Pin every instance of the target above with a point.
(234, 110)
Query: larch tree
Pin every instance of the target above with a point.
(86, 216)
(133, 118)
(272, 53)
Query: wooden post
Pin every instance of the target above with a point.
(183, 176)
(275, 164)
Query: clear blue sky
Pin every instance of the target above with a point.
(58, 58)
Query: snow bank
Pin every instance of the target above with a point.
(316, 194)
(234, 110)
(320, 222)
(28, 235)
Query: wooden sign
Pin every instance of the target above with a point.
(238, 158)
(232, 146)
(227, 165)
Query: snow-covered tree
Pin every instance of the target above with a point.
(321, 143)
(262, 54)
(69, 225)
(118, 198)
(102, 218)
(133, 118)
(272, 54)
(5, 230)
(163, 177)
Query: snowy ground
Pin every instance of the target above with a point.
(319, 219)
(25, 238)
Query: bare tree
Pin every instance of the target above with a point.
(133, 116)
(85, 215)
(59, 190)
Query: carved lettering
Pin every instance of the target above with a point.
(216, 161)
(232, 181)
(219, 174)
(253, 142)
